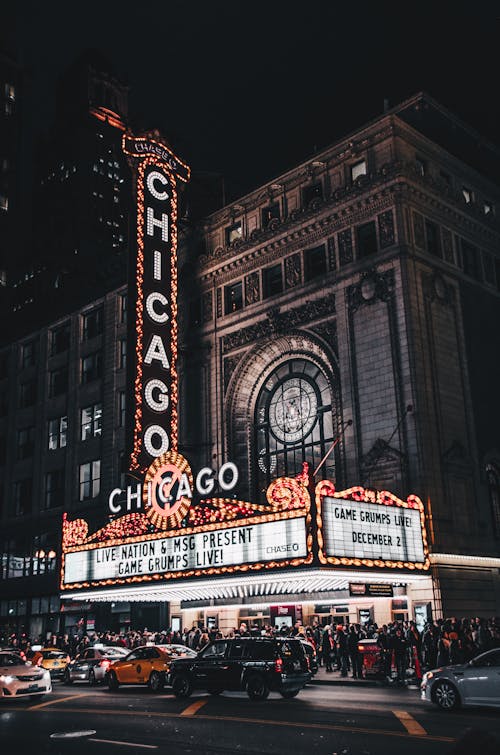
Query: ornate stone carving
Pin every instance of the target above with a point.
(280, 322)
(447, 240)
(328, 332)
(386, 229)
(436, 288)
(252, 288)
(207, 307)
(418, 230)
(229, 367)
(219, 302)
(372, 287)
(345, 246)
(293, 270)
(332, 259)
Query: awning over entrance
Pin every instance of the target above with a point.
(311, 582)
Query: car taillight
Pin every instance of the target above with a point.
(105, 664)
(308, 662)
(360, 648)
(39, 662)
(278, 665)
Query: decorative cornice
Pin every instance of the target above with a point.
(278, 322)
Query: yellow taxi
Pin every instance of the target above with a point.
(148, 664)
(52, 659)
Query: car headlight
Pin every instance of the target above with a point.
(46, 675)
(6, 679)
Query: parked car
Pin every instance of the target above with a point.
(20, 678)
(52, 659)
(474, 683)
(256, 665)
(91, 665)
(312, 656)
(148, 664)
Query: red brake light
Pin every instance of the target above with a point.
(105, 664)
(278, 665)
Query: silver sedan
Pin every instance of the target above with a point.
(91, 665)
(474, 683)
(19, 678)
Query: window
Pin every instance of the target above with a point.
(122, 354)
(10, 92)
(91, 418)
(493, 479)
(92, 324)
(314, 262)
(58, 381)
(433, 239)
(268, 213)
(233, 297)
(487, 208)
(470, 260)
(314, 191)
(54, 489)
(60, 339)
(272, 281)
(25, 442)
(122, 303)
(234, 232)
(89, 480)
(58, 429)
(358, 169)
(122, 401)
(91, 367)
(23, 496)
(421, 165)
(467, 195)
(367, 239)
(294, 422)
(4, 202)
(217, 650)
(27, 394)
(27, 354)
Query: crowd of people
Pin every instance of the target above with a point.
(402, 646)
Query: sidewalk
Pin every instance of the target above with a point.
(334, 677)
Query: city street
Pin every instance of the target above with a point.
(325, 719)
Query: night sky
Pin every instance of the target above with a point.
(248, 89)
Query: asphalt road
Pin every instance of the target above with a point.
(330, 720)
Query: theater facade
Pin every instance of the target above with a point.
(308, 438)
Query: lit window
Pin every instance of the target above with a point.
(233, 233)
(233, 296)
(122, 303)
(358, 169)
(467, 195)
(10, 92)
(487, 208)
(91, 421)
(89, 480)
(58, 431)
(4, 202)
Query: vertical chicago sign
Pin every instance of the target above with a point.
(157, 172)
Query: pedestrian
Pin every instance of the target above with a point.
(356, 657)
(342, 650)
(400, 647)
(328, 647)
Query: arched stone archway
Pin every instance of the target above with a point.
(247, 381)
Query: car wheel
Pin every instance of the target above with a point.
(181, 685)
(113, 682)
(288, 693)
(67, 678)
(257, 688)
(155, 682)
(445, 694)
(215, 691)
(92, 680)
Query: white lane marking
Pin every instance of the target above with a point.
(71, 734)
(125, 744)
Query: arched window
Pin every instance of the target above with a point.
(493, 478)
(294, 422)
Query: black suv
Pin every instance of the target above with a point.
(256, 665)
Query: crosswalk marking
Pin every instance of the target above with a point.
(411, 726)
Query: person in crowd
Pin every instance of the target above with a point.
(353, 639)
(328, 648)
(342, 650)
(400, 648)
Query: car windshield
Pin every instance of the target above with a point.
(291, 649)
(114, 652)
(8, 659)
(51, 654)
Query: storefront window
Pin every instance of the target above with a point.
(294, 422)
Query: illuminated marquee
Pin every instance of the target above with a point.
(157, 171)
(172, 538)
(374, 528)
